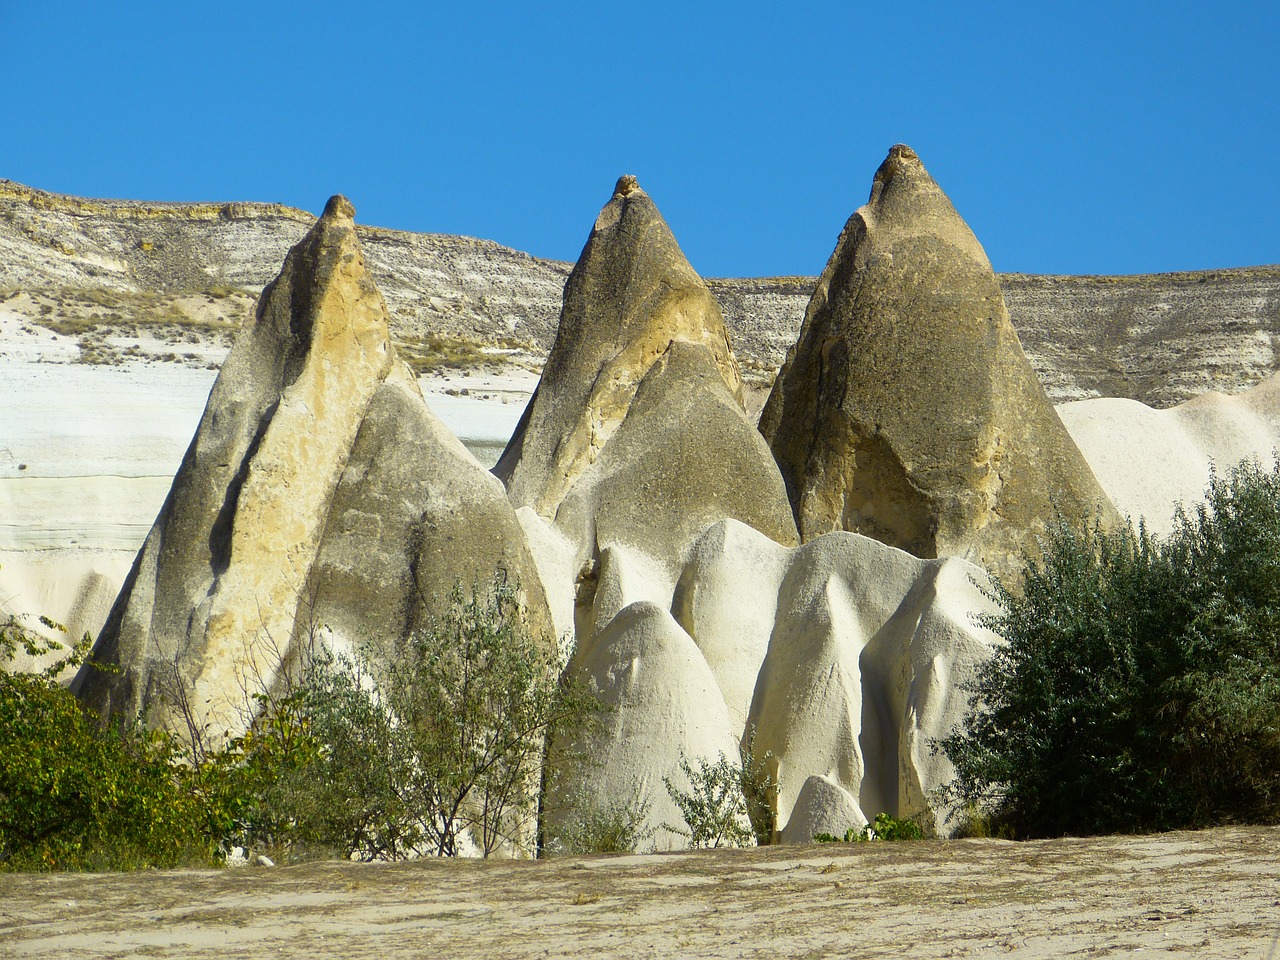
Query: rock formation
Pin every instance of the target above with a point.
(823, 806)
(907, 410)
(840, 660)
(662, 707)
(1150, 461)
(630, 295)
(635, 442)
(865, 668)
(413, 514)
(684, 457)
(300, 497)
(636, 433)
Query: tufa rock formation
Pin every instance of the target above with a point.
(907, 410)
(684, 457)
(842, 660)
(636, 433)
(413, 513)
(300, 497)
(630, 295)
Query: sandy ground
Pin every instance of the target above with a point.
(1209, 894)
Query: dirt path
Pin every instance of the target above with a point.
(1209, 894)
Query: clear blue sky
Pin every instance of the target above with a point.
(1074, 138)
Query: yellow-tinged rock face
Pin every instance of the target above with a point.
(209, 609)
(320, 500)
(630, 296)
(907, 410)
(284, 501)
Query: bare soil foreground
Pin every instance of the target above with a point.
(1209, 894)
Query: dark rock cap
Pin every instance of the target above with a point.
(339, 206)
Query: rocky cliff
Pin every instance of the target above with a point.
(1159, 338)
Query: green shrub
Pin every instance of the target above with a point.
(319, 773)
(714, 808)
(449, 746)
(445, 749)
(616, 827)
(885, 827)
(77, 796)
(1139, 686)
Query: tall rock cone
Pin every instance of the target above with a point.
(630, 295)
(907, 410)
(209, 604)
(318, 495)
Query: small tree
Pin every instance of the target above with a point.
(443, 748)
(714, 807)
(1139, 685)
(477, 696)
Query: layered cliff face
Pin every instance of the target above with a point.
(1159, 339)
(147, 259)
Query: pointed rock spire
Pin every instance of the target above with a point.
(207, 611)
(907, 410)
(630, 295)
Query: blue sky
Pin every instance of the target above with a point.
(1074, 138)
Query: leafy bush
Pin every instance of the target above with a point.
(443, 752)
(447, 751)
(760, 787)
(318, 774)
(714, 807)
(885, 827)
(1139, 687)
(74, 795)
(617, 827)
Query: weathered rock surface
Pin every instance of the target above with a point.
(1149, 461)
(730, 619)
(1157, 338)
(842, 661)
(662, 706)
(413, 515)
(631, 294)
(867, 652)
(435, 285)
(823, 806)
(684, 457)
(908, 411)
(306, 452)
(208, 607)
